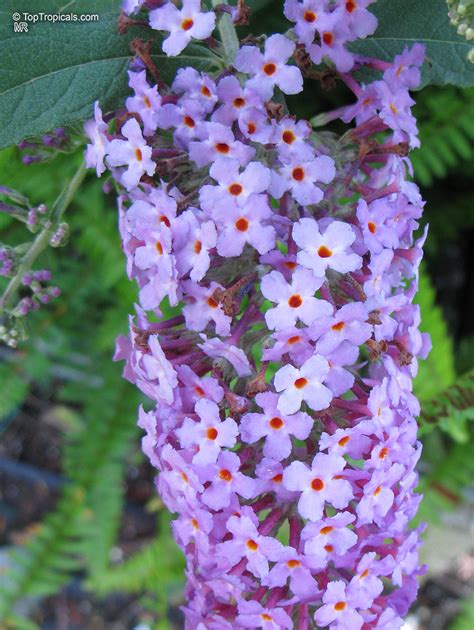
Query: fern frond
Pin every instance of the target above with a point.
(447, 136)
(451, 410)
(158, 565)
(437, 371)
(443, 486)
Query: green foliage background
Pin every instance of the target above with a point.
(67, 361)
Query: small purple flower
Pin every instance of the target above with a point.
(157, 368)
(253, 615)
(353, 441)
(225, 480)
(96, 131)
(359, 21)
(329, 538)
(347, 324)
(305, 14)
(297, 568)
(339, 608)
(196, 86)
(275, 427)
(334, 34)
(378, 495)
(238, 226)
(295, 300)
(195, 388)
(133, 152)
(209, 435)
(289, 136)
(146, 101)
(195, 239)
(217, 140)
(233, 185)
(303, 384)
(202, 308)
(299, 174)
(269, 68)
(405, 71)
(254, 125)
(372, 220)
(319, 484)
(248, 543)
(182, 24)
(184, 118)
(235, 100)
(328, 249)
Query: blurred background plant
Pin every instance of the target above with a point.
(84, 541)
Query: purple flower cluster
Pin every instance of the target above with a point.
(283, 425)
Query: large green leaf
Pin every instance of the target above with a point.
(403, 22)
(51, 75)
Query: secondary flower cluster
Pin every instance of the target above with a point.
(276, 333)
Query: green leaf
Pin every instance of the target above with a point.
(403, 22)
(51, 75)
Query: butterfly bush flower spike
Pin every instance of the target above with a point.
(282, 421)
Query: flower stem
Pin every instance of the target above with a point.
(42, 239)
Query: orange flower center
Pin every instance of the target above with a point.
(277, 478)
(269, 69)
(239, 102)
(293, 340)
(340, 606)
(300, 382)
(205, 91)
(351, 6)
(326, 530)
(338, 327)
(251, 128)
(187, 24)
(184, 477)
(288, 136)
(343, 441)
(328, 38)
(393, 108)
(266, 617)
(324, 252)
(276, 423)
(310, 16)
(295, 301)
(372, 227)
(212, 302)
(222, 147)
(298, 174)
(252, 545)
(329, 548)
(194, 523)
(197, 247)
(242, 224)
(383, 452)
(292, 564)
(225, 475)
(138, 155)
(235, 189)
(199, 390)
(317, 484)
(164, 219)
(377, 491)
(211, 433)
(159, 248)
(364, 574)
(290, 265)
(189, 122)
(146, 100)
